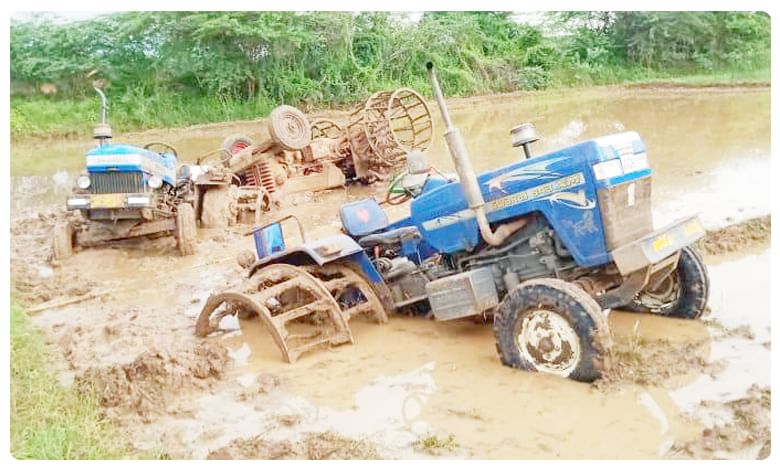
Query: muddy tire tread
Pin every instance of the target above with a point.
(62, 241)
(186, 229)
(695, 283)
(570, 301)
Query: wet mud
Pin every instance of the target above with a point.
(121, 322)
(736, 237)
(317, 446)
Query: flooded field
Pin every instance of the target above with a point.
(417, 388)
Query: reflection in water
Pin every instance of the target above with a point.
(739, 297)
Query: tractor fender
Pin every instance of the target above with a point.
(341, 248)
(320, 251)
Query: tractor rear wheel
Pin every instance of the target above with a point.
(354, 294)
(186, 230)
(62, 241)
(294, 306)
(683, 294)
(289, 128)
(552, 326)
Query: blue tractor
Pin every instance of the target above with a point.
(127, 192)
(545, 246)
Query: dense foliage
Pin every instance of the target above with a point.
(200, 66)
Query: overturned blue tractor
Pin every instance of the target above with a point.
(545, 246)
(127, 192)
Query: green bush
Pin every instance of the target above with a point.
(179, 68)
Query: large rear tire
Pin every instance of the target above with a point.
(683, 294)
(186, 230)
(552, 326)
(289, 128)
(216, 209)
(62, 241)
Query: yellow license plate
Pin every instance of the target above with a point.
(661, 242)
(109, 200)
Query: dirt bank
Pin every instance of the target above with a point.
(736, 237)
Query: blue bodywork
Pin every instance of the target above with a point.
(561, 186)
(128, 158)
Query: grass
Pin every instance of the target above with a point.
(49, 421)
(35, 117)
(434, 444)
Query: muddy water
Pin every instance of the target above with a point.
(412, 378)
(717, 141)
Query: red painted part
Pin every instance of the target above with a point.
(238, 146)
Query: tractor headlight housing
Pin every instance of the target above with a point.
(155, 182)
(83, 182)
(617, 167)
(608, 169)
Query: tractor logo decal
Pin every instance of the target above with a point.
(553, 191)
(543, 191)
(582, 227)
(531, 172)
(447, 220)
(576, 200)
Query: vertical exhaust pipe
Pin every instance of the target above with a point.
(468, 179)
(103, 104)
(102, 131)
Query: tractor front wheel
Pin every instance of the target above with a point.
(186, 231)
(552, 326)
(62, 241)
(683, 294)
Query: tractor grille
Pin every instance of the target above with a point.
(626, 216)
(117, 182)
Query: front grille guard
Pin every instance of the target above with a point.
(117, 182)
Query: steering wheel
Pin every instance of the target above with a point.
(396, 195)
(164, 145)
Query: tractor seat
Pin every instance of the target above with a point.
(366, 221)
(363, 217)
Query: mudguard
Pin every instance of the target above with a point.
(323, 251)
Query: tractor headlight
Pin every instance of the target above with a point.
(154, 182)
(83, 182)
(608, 169)
(626, 164)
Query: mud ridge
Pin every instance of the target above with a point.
(313, 446)
(735, 237)
(639, 361)
(147, 385)
(747, 435)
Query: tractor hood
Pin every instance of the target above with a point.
(128, 158)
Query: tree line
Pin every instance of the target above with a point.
(327, 58)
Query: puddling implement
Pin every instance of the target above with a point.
(544, 246)
(242, 180)
(317, 299)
